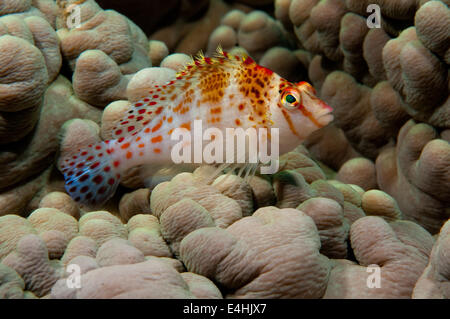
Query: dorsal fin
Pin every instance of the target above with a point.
(220, 58)
(160, 96)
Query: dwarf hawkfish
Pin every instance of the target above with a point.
(224, 91)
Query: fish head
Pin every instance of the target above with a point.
(302, 111)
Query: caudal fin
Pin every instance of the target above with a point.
(90, 176)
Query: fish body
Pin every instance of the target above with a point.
(222, 92)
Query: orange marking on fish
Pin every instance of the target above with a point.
(157, 126)
(157, 139)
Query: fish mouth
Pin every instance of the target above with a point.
(325, 118)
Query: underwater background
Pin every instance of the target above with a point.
(359, 210)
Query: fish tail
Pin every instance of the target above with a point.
(90, 175)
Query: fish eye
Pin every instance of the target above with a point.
(290, 99)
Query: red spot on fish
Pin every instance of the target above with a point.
(84, 189)
(107, 168)
(111, 181)
(90, 158)
(130, 128)
(152, 103)
(139, 104)
(120, 140)
(141, 111)
(248, 60)
(95, 165)
(118, 132)
(97, 179)
(84, 177)
(101, 190)
(129, 155)
(116, 163)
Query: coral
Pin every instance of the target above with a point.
(33, 155)
(248, 267)
(419, 76)
(201, 287)
(118, 251)
(263, 194)
(42, 8)
(79, 246)
(182, 218)
(361, 197)
(359, 171)
(238, 189)
(191, 36)
(362, 128)
(398, 252)
(23, 85)
(44, 219)
(101, 67)
(137, 202)
(329, 219)
(56, 243)
(222, 209)
(157, 51)
(30, 261)
(62, 202)
(149, 279)
(329, 145)
(434, 282)
(12, 228)
(145, 233)
(101, 226)
(378, 203)
(11, 284)
(416, 173)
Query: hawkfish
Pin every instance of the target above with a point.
(223, 91)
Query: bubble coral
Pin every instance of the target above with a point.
(101, 67)
(101, 226)
(249, 267)
(30, 261)
(146, 234)
(11, 284)
(397, 252)
(149, 279)
(222, 209)
(12, 229)
(434, 282)
(416, 173)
